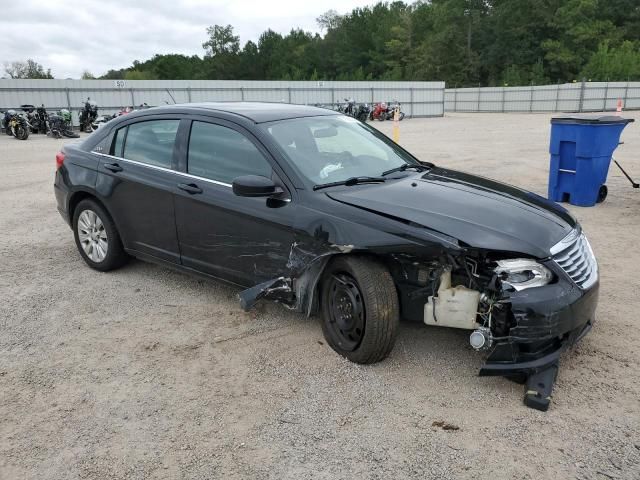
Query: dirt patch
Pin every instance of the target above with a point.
(147, 373)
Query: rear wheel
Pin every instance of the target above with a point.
(96, 237)
(602, 193)
(360, 312)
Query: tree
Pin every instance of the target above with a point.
(87, 75)
(221, 41)
(463, 42)
(577, 30)
(621, 63)
(329, 20)
(28, 69)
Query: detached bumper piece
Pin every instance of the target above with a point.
(539, 368)
(539, 388)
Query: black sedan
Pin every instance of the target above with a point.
(316, 210)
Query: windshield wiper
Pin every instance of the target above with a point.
(351, 181)
(420, 167)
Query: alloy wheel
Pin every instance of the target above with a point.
(93, 236)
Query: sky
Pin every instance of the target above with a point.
(70, 36)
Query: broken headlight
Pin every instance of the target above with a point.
(522, 273)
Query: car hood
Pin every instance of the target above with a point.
(479, 212)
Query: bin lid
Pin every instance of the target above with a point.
(591, 119)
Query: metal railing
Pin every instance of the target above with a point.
(418, 99)
(568, 97)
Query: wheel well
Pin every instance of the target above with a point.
(316, 287)
(78, 197)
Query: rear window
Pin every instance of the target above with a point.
(149, 142)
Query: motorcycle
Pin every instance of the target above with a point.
(60, 125)
(379, 112)
(16, 125)
(392, 108)
(101, 120)
(350, 107)
(37, 117)
(363, 112)
(88, 115)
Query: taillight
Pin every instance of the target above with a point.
(59, 159)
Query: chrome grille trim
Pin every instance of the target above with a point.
(574, 255)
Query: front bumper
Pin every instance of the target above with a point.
(548, 320)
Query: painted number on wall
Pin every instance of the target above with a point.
(119, 83)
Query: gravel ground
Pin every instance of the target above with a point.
(148, 373)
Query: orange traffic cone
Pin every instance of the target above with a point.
(619, 107)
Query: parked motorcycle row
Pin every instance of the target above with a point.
(362, 111)
(36, 120)
(32, 119)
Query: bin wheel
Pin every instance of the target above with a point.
(602, 193)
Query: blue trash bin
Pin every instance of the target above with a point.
(581, 149)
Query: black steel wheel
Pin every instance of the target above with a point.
(346, 311)
(602, 193)
(360, 312)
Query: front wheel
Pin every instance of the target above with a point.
(21, 132)
(360, 312)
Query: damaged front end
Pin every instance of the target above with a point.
(523, 312)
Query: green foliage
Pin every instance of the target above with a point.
(619, 63)
(463, 42)
(139, 75)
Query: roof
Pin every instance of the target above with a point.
(260, 112)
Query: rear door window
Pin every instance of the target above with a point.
(150, 142)
(223, 154)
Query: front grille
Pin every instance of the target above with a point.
(574, 255)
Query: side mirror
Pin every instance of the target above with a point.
(255, 186)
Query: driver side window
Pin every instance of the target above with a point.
(223, 154)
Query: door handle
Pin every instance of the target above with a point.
(114, 167)
(191, 188)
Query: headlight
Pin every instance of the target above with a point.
(522, 273)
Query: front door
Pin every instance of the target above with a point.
(242, 240)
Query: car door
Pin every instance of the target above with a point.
(137, 180)
(240, 239)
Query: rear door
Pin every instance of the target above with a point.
(242, 240)
(137, 179)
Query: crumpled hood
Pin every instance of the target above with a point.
(477, 211)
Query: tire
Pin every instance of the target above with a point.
(70, 134)
(602, 193)
(105, 230)
(366, 331)
(382, 117)
(401, 116)
(21, 132)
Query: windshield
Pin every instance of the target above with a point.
(336, 148)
